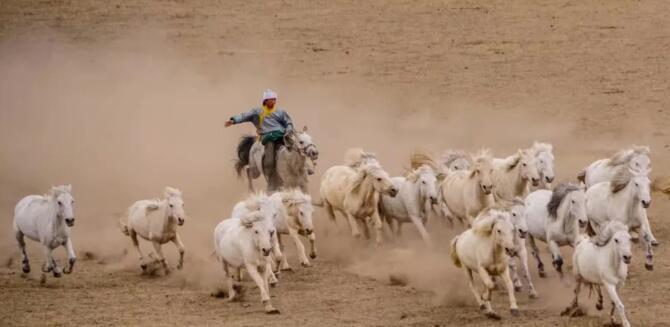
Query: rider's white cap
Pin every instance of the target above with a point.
(269, 94)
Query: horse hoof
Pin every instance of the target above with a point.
(43, 279)
(287, 269)
(273, 284)
(599, 306)
(655, 243)
(482, 308)
(180, 267)
(517, 289)
(312, 255)
(534, 295)
(57, 274)
(515, 312)
(306, 265)
(649, 266)
(26, 269)
(143, 266)
(577, 313)
(493, 315)
(543, 274)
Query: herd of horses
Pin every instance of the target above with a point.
(500, 202)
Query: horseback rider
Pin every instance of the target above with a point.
(272, 124)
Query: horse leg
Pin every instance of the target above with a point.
(486, 296)
(51, 265)
(611, 291)
(647, 238)
(300, 248)
(599, 303)
(355, 232)
(71, 256)
(377, 221)
(420, 227)
(283, 264)
(644, 219)
(180, 246)
(523, 257)
(136, 244)
(572, 309)
(250, 183)
(536, 254)
(514, 308)
(22, 247)
(271, 278)
(312, 244)
(232, 286)
(159, 251)
(514, 274)
(260, 282)
(471, 283)
(556, 257)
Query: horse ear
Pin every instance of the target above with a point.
(69, 188)
(288, 139)
(304, 129)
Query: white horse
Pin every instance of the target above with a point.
(156, 221)
(455, 160)
(463, 194)
(624, 199)
(246, 243)
(555, 217)
(295, 160)
(513, 175)
(545, 163)
(296, 220)
(416, 195)
(270, 210)
(604, 170)
(47, 219)
(603, 262)
(517, 214)
(356, 192)
(485, 248)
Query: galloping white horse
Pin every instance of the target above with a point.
(47, 219)
(156, 221)
(604, 170)
(513, 175)
(296, 220)
(465, 193)
(356, 192)
(603, 262)
(545, 163)
(416, 196)
(455, 160)
(517, 214)
(624, 199)
(295, 160)
(485, 248)
(555, 218)
(246, 243)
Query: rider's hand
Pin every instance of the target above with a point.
(229, 123)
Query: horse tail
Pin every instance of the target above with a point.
(243, 149)
(454, 255)
(123, 224)
(582, 176)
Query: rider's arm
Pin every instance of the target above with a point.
(288, 123)
(245, 117)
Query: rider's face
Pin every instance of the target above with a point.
(270, 103)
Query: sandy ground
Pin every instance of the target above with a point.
(121, 98)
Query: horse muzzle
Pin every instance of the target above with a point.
(535, 181)
(522, 233)
(646, 204)
(582, 223)
(487, 189)
(180, 221)
(393, 192)
(308, 231)
(549, 179)
(510, 252)
(266, 252)
(626, 259)
(433, 200)
(69, 222)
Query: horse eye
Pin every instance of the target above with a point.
(636, 185)
(171, 206)
(514, 214)
(423, 182)
(573, 201)
(616, 240)
(499, 232)
(272, 232)
(524, 165)
(379, 179)
(256, 231)
(60, 203)
(456, 167)
(301, 142)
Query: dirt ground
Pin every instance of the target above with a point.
(121, 98)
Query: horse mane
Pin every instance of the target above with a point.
(621, 179)
(55, 191)
(295, 195)
(356, 157)
(605, 236)
(557, 196)
(253, 202)
(250, 218)
(539, 147)
(624, 156)
(171, 191)
(486, 220)
(414, 174)
(418, 159)
(482, 156)
(449, 156)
